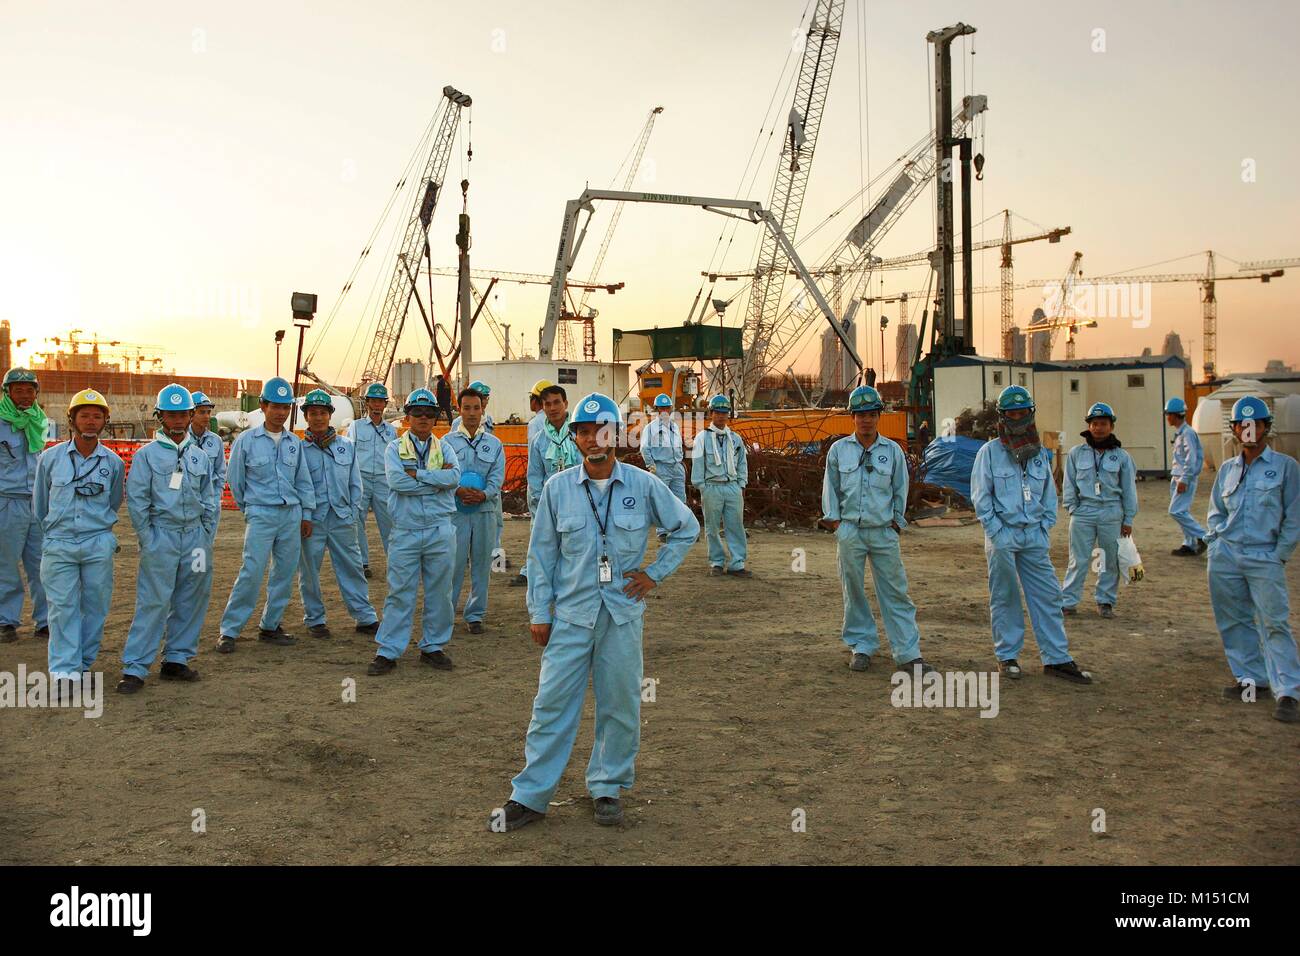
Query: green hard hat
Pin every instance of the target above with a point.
(16, 375)
(319, 398)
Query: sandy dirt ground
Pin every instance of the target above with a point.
(756, 724)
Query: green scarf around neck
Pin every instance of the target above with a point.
(30, 421)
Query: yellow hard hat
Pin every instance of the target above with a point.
(540, 384)
(87, 396)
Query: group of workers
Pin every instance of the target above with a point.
(437, 504)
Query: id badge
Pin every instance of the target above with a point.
(606, 572)
(175, 483)
(1096, 489)
(1028, 495)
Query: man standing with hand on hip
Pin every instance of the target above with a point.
(1189, 459)
(586, 595)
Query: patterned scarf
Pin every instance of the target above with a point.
(1107, 443)
(321, 441)
(561, 453)
(1020, 438)
(30, 421)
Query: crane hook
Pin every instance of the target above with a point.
(979, 166)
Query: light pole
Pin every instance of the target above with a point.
(279, 337)
(304, 310)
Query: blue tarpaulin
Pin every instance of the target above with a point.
(948, 462)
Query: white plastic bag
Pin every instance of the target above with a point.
(1130, 562)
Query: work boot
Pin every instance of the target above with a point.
(925, 667)
(226, 645)
(859, 662)
(1011, 668)
(365, 569)
(8, 634)
(173, 670)
(319, 630)
(1106, 611)
(741, 573)
(1070, 611)
(278, 637)
(1288, 710)
(662, 536)
(371, 628)
(42, 633)
(476, 627)
(1238, 690)
(1200, 545)
(130, 684)
(715, 571)
(380, 665)
(609, 810)
(1183, 551)
(1070, 671)
(518, 581)
(513, 816)
(438, 660)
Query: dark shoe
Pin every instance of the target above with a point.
(609, 810)
(371, 628)
(925, 668)
(859, 662)
(1070, 611)
(511, 817)
(1183, 551)
(42, 633)
(226, 645)
(380, 665)
(129, 684)
(741, 573)
(1070, 671)
(319, 630)
(1011, 668)
(1238, 692)
(174, 671)
(518, 581)
(716, 571)
(365, 569)
(8, 634)
(438, 660)
(1106, 611)
(662, 536)
(1288, 710)
(1200, 545)
(476, 627)
(278, 637)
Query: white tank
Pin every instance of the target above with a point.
(1286, 425)
(1207, 422)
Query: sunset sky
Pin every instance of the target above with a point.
(172, 171)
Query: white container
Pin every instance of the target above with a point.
(512, 381)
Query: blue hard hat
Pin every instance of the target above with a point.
(470, 479)
(1175, 406)
(663, 400)
(477, 386)
(200, 400)
(420, 398)
(278, 391)
(1013, 397)
(719, 403)
(596, 408)
(174, 398)
(1100, 410)
(376, 390)
(318, 398)
(1250, 409)
(864, 398)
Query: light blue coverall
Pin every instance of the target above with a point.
(661, 449)
(371, 442)
(1254, 524)
(1100, 494)
(540, 467)
(498, 512)
(336, 483)
(722, 487)
(421, 550)
(215, 448)
(174, 518)
(273, 489)
(20, 531)
(476, 530)
(75, 499)
(1189, 459)
(1017, 507)
(865, 490)
(595, 627)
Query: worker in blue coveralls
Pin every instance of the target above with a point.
(423, 474)
(550, 449)
(1100, 494)
(864, 495)
(372, 436)
(22, 438)
(76, 492)
(270, 483)
(482, 460)
(1015, 501)
(336, 482)
(720, 469)
(536, 422)
(1254, 524)
(661, 449)
(485, 393)
(1189, 459)
(586, 593)
(169, 498)
(210, 443)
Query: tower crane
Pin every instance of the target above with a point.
(1061, 305)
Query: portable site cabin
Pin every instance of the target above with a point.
(511, 381)
(1136, 388)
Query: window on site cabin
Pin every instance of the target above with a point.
(997, 378)
(1137, 381)
(568, 376)
(1074, 385)
(1023, 377)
